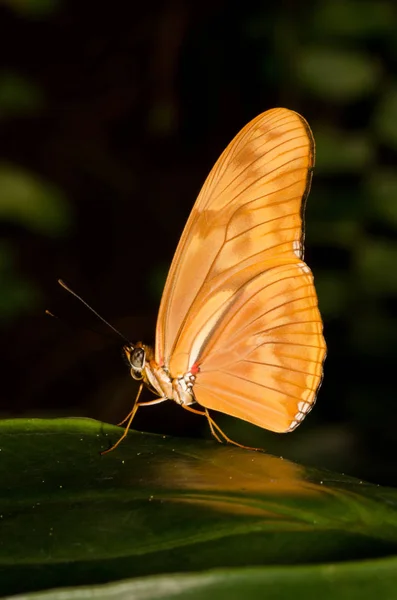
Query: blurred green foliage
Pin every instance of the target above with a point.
(353, 19)
(32, 203)
(337, 75)
(18, 294)
(385, 117)
(18, 96)
(381, 190)
(38, 207)
(33, 8)
(339, 152)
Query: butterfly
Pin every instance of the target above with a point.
(239, 330)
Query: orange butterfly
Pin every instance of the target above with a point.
(239, 330)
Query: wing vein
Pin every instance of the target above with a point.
(262, 385)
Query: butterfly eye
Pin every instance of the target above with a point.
(136, 359)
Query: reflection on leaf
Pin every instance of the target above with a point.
(221, 480)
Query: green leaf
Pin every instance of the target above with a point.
(27, 200)
(337, 75)
(351, 581)
(69, 516)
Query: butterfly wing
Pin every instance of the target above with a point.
(264, 360)
(239, 306)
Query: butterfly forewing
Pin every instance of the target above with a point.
(239, 306)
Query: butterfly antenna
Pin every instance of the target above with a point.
(75, 326)
(50, 314)
(68, 289)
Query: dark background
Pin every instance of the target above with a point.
(111, 116)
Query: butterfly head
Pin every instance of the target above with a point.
(136, 358)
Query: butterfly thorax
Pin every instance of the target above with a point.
(143, 367)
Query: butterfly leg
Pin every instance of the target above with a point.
(127, 417)
(202, 413)
(214, 427)
(131, 415)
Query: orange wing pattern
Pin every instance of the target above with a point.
(265, 360)
(239, 305)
